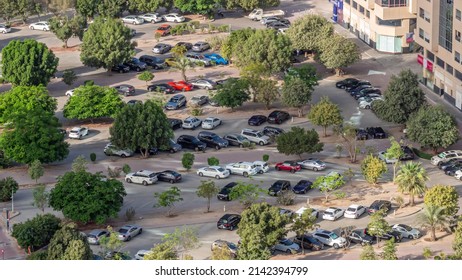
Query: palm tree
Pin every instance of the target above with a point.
(182, 64)
(411, 179)
(432, 217)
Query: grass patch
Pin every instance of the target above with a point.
(421, 154)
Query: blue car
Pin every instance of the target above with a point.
(302, 187)
(218, 59)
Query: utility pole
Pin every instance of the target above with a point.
(12, 200)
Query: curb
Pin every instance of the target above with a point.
(409, 214)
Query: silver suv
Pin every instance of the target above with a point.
(446, 156)
(255, 136)
(198, 59)
(329, 238)
(242, 168)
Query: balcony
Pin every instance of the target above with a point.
(392, 9)
(391, 3)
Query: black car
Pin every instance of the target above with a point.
(278, 186)
(256, 120)
(347, 82)
(191, 142)
(236, 140)
(387, 236)
(121, 68)
(376, 132)
(152, 151)
(225, 191)
(361, 134)
(277, 25)
(155, 62)
(212, 140)
(453, 161)
(367, 92)
(359, 236)
(126, 90)
(451, 170)
(278, 117)
(164, 88)
(187, 45)
(228, 221)
(136, 65)
(272, 131)
(134, 102)
(169, 176)
(357, 89)
(172, 147)
(379, 205)
(308, 242)
(302, 187)
(224, 81)
(175, 123)
(354, 85)
(408, 154)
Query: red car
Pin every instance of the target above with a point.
(181, 85)
(291, 166)
(164, 29)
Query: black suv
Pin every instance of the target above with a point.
(347, 82)
(359, 236)
(453, 161)
(169, 176)
(225, 191)
(376, 132)
(136, 65)
(155, 62)
(361, 134)
(379, 205)
(357, 84)
(164, 88)
(308, 242)
(272, 131)
(358, 89)
(387, 236)
(279, 186)
(175, 123)
(278, 117)
(366, 92)
(121, 68)
(187, 45)
(228, 221)
(212, 140)
(191, 142)
(256, 120)
(408, 153)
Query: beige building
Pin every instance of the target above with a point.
(386, 25)
(438, 31)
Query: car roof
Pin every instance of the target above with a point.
(354, 206)
(146, 172)
(96, 231)
(333, 208)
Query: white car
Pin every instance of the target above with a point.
(133, 20)
(329, 238)
(78, 132)
(211, 123)
(314, 212)
(41, 25)
(5, 28)
(111, 150)
(216, 172)
(70, 92)
(127, 232)
(332, 213)
(371, 97)
(288, 246)
(141, 253)
(245, 169)
(354, 211)
(262, 166)
(144, 177)
(458, 175)
(152, 18)
(407, 231)
(446, 156)
(382, 155)
(174, 17)
(191, 123)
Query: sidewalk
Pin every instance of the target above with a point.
(9, 250)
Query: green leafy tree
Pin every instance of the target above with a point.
(111, 8)
(444, 196)
(182, 64)
(8, 187)
(328, 184)
(325, 114)
(58, 7)
(92, 102)
(233, 93)
(143, 126)
(234, 42)
(8, 10)
(41, 197)
(411, 179)
(35, 170)
(28, 63)
(389, 251)
(431, 218)
(148, 5)
(85, 197)
(202, 7)
(402, 97)
(377, 225)
(110, 244)
(434, 127)
(307, 32)
(37, 232)
(87, 8)
(303, 223)
(183, 240)
(249, 5)
(247, 193)
(168, 199)
(368, 254)
(69, 244)
(207, 190)
(222, 253)
(24, 8)
(213, 161)
(187, 160)
(260, 228)
(266, 92)
(179, 51)
(457, 243)
(146, 76)
(69, 77)
(297, 141)
(162, 251)
(338, 52)
(254, 73)
(373, 168)
(79, 164)
(306, 73)
(394, 152)
(106, 43)
(64, 27)
(295, 93)
(348, 132)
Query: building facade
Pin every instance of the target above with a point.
(385, 25)
(438, 31)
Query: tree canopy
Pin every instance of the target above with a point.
(37, 232)
(86, 8)
(143, 126)
(394, 152)
(28, 63)
(8, 187)
(411, 179)
(296, 93)
(111, 8)
(233, 93)
(373, 168)
(64, 27)
(202, 7)
(106, 43)
(234, 42)
(377, 225)
(348, 132)
(297, 141)
(168, 199)
(148, 5)
(85, 197)
(207, 190)
(92, 102)
(443, 196)
(328, 184)
(247, 193)
(338, 52)
(69, 244)
(325, 114)
(249, 5)
(308, 32)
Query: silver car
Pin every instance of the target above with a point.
(5, 28)
(126, 233)
(152, 18)
(204, 83)
(133, 20)
(200, 46)
(313, 164)
(95, 236)
(161, 48)
(199, 100)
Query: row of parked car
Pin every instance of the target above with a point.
(450, 162)
(361, 90)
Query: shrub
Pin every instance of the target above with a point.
(265, 157)
(187, 160)
(249, 145)
(196, 111)
(8, 186)
(130, 214)
(37, 256)
(195, 23)
(339, 195)
(223, 28)
(286, 198)
(213, 161)
(126, 169)
(89, 83)
(93, 157)
(421, 154)
(114, 172)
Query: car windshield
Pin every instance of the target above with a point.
(351, 209)
(318, 162)
(286, 242)
(123, 230)
(259, 134)
(408, 228)
(208, 120)
(333, 235)
(220, 169)
(216, 138)
(74, 131)
(152, 175)
(232, 246)
(442, 155)
(162, 28)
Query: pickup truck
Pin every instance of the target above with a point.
(258, 14)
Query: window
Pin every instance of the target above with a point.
(449, 69)
(391, 3)
(424, 14)
(368, 14)
(458, 14)
(430, 56)
(347, 1)
(427, 37)
(355, 5)
(391, 22)
(421, 33)
(439, 62)
(459, 75)
(361, 9)
(457, 57)
(446, 25)
(457, 36)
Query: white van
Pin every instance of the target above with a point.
(242, 168)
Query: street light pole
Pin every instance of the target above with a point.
(12, 201)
